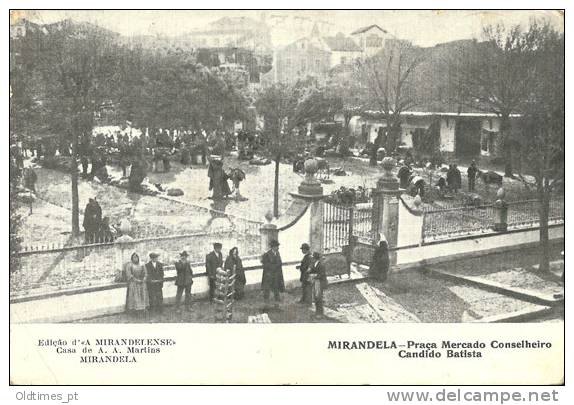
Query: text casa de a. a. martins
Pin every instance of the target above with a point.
(412, 349)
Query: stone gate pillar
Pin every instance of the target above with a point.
(268, 232)
(310, 192)
(386, 207)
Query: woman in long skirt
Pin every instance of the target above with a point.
(233, 263)
(137, 299)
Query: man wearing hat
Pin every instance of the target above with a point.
(184, 279)
(213, 261)
(318, 282)
(155, 282)
(272, 272)
(303, 267)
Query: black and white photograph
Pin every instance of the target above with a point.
(187, 167)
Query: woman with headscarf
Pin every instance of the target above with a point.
(137, 299)
(380, 262)
(233, 263)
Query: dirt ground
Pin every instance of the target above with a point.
(427, 298)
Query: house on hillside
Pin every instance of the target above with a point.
(311, 56)
(370, 39)
(235, 32)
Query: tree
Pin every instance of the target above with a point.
(543, 123)
(78, 65)
(495, 77)
(347, 93)
(388, 79)
(285, 109)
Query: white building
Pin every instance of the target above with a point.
(371, 39)
(470, 134)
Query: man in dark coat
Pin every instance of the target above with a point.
(450, 177)
(92, 219)
(471, 173)
(218, 179)
(272, 279)
(183, 280)
(319, 282)
(213, 261)
(303, 267)
(155, 275)
(379, 268)
(404, 175)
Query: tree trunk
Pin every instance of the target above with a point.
(505, 136)
(392, 138)
(276, 189)
(543, 210)
(75, 196)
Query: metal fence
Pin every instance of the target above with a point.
(183, 220)
(451, 223)
(362, 220)
(336, 226)
(455, 222)
(342, 221)
(98, 264)
(525, 214)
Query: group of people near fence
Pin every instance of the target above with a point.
(145, 282)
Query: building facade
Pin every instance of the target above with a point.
(232, 32)
(311, 56)
(370, 39)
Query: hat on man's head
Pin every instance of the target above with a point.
(183, 254)
(305, 246)
(153, 255)
(217, 245)
(273, 243)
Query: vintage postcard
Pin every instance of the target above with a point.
(287, 197)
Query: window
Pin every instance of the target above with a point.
(374, 41)
(484, 142)
(343, 60)
(303, 65)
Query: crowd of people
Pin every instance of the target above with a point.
(451, 183)
(145, 281)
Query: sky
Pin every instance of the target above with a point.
(423, 28)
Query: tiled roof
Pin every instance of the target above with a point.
(365, 29)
